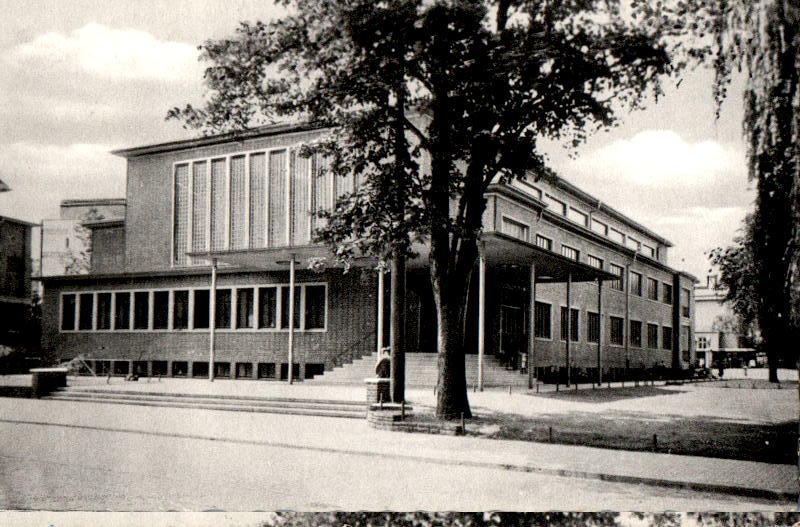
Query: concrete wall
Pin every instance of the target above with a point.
(108, 250)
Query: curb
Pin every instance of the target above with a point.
(766, 494)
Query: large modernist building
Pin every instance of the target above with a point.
(15, 279)
(604, 299)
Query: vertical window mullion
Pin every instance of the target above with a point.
(170, 309)
(150, 309)
(190, 310)
(112, 324)
(234, 307)
(247, 200)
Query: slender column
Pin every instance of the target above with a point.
(481, 317)
(212, 319)
(379, 343)
(398, 370)
(569, 329)
(291, 317)
(532, 328)
(599, 331)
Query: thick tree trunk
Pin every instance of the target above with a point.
(451, 396)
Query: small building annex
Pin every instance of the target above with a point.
(604, 302)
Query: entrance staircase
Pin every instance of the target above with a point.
(422, 371)
(273, 405)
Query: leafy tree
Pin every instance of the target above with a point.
(763, 39)
(79, 259)
(429, 103)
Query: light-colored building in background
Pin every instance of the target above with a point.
(61, 236)
(718, 334)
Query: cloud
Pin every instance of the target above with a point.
(109, 53)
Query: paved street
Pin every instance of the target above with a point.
(208, 460)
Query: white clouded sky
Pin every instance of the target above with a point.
(81, 78)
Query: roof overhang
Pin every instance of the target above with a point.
(279, 258)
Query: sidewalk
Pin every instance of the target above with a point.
(745, 478)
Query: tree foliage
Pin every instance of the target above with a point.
(428, 103)
(78, 259)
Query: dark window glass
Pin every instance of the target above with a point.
(85, 311)
(592, 327)
(652, 289)
(616, 327)
(161, 310)
(666, 338)
(315, 306)
(619, 285)
(636, 333)
(180, 309)
(667, 294)
(636, 283)
(573, 325)
(68, 312)
(285, 306)
(201, 307)
(267, 307)
(652, 336)
(244, 308)
(103, 310)
(542, 328)
(685, 296)
(223, 309)
(141, 310)
(122, 311)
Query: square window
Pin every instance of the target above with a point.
(244, 370)
(266, 370)
(570, 252)
(594, 261)
(200, 369)
(515, 229)
(179, 368)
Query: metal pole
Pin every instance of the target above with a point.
(532, 327)
(481, 317)
(626, 330)
(599, 331)
(397, 373)
(291, 317)
(379, 344)
(212, 321)
(569, 329)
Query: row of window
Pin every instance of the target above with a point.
(570, 324)
(590, 222)
(262, 307)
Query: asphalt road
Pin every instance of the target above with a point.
(58, 467)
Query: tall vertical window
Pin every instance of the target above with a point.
(223, 309)
(278, 196)
(199, 206)
(85, 311)
(141, 310)
(122, 310)
(218, 199)
(544, 242)
(685, 295)
(267, 307)
(299, 169)
(618, 270)
(285, 307)
(636, 333)
(616, 327)
(515, 229)
(245, 309)
(180, 233)
(103, 310)
(667, 293)
(686, 336)
(180, 309)
(238, 203)
(542, 328)
(161, 310)
(594, 261)
(570, 252)
(573, 325)
(202, 307)
(652, 336)
(321, 180)
(636, 283)
(666, 337)
(258, 200)
(652, 289)
(592, 327)
(68, 312)
(315, 307)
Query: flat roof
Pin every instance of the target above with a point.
(20, 222)
(91, 202)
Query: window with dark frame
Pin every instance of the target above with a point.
(636, 333)
(618, 270)
(616, 326)
(180, 309)
(103, 310)
(223, 309)
(141, 310)
(570, 252)
(685, 296)
(636, 283)
(68, 304)
(594, 261)
(666, 293)
(592, 327)
(544, 242)
(652, 336)
(666, 337)
(202, 306)
(267, 307)
(285, 307)
(574, 329)
(652, 289)
(160, 309)
(85, 311)
(245, 308)
(542, 330)
(315, 307)
(122, 310)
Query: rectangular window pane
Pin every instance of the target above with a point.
(636, 283)
(223, 309)
(278, 192)
(141, 310)
(181, 215)
(618, 270)
(578, 217)
(648, 251)
(515, 229)
(161, 310)
(616, 334)
(666, 338)
(685, 339)
(315, 306)
(544, 243)
(267, 307)
(617, 236)
(633, 243)
(86, 310)
(652, 336)
(652, 289)
(258, 200)
(599, 227)
(542, 320)
(667, 294)
(636, 333)
(68, 312)
(245, 309)
(592, 327)
(570, 252)
(300, 208)
(238, 204)
(180, 309)
(219, 199)
(122, 311)
(199, 206)
(321, 183)
(573, 324)
(555, 206)
(201, 308)
(285, 306)
(685, 295)
(104, 311)
(594, 261)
